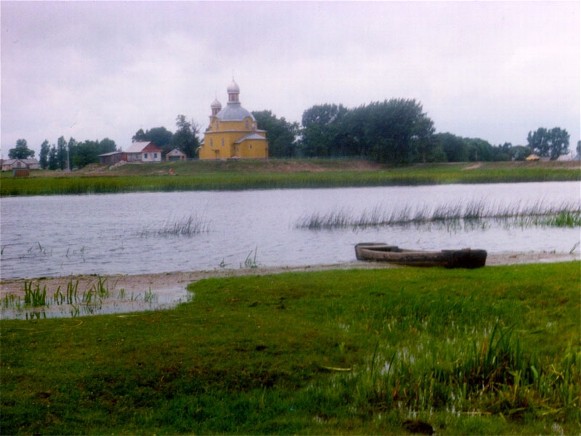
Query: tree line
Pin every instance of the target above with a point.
(395, 131)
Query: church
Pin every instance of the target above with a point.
(233, 133)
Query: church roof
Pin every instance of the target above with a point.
(233, 112)
(251, 136)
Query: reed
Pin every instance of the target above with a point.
(34, 295)
(474, 213)
(185, 227)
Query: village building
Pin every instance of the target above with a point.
(175, 155)
(140, 151)
(232, 132)
(17, 164)
(143, 151)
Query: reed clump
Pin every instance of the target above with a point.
(89, 301)
(185, 227)
(473, 212)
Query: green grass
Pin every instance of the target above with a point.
(277, 174)
(488, 351)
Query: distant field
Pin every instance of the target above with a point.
(276, 174)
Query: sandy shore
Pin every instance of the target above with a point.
(170, 281)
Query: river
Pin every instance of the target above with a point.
(132, 233)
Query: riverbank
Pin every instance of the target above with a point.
(278, 174)
(168, 282)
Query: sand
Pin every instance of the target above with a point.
(170, 281)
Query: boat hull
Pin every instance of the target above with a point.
(379, 252)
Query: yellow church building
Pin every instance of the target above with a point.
(232, 133)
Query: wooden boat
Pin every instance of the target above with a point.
(379, 252)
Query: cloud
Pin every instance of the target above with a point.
(91, 70)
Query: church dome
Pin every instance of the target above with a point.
(233, 87)
(216, 104)
(234, 113)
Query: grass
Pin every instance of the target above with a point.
(488, 351)
(188, 227)
(277, 174)
(474, 212)
(88, 301)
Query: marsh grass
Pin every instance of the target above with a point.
(185, 227)
(476, 212)
(488, 351)
(275, 174)
(88, 301)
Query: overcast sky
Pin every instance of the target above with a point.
(90, 70)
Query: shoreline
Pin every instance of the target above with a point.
(167, 282)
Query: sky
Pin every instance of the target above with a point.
(95, 70)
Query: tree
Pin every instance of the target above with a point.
(61, 153)
(160, 136)
(53, 162)
(88, 152)
(549, 143)
(186, 136)
(280, 133)
(20, 151)
(44, 151)
(453, 146)
(321, 125)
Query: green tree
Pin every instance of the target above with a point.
(280, 133)
(87, 152)
(61, 153)
(186, 136)
(44, 151)
(549, 143)
(453, 146)
(321, 126)
(160, 136)
(397, 130)
(20, 151)
(479, 149)
(53, 162)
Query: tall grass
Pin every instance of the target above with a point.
(89, 301)
(273, 174)
(188, 227)
(473, 212)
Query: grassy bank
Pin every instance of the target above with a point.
(276, 174)
(489, 351)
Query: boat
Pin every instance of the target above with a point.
(380, 252)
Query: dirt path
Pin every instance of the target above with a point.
(170, 281)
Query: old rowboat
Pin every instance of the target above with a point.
(379, 252)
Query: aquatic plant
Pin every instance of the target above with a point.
(34, 295)
(250, 261)
(473, 213)
(188, 227)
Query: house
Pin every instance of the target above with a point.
(233, 133)
(175, 155)
(112, 158)
(143, 151)
(16, 164)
